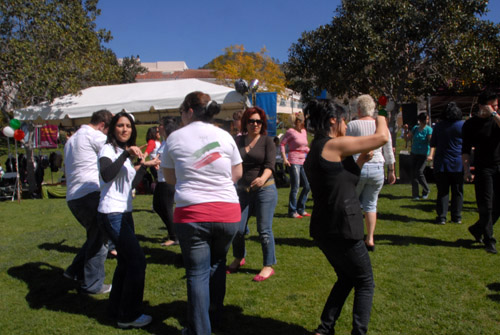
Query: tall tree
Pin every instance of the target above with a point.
(400, 48)
(236, 63)
(50, 48)
(131, 67)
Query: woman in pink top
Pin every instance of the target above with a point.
(296, 139)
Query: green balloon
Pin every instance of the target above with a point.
(382, 112)
(15, 124)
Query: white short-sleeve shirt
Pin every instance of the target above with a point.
(116, 195)
(161, 178)
(202, 156)
(80, 166)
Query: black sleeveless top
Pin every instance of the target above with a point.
(336, 210)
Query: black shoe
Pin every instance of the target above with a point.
(456, 221)
(477, 235)
(440, 221)
(490, 247)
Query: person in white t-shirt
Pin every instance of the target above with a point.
(82, 195)
(204, 163)
(118, 176)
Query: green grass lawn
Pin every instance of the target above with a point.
(430, 279)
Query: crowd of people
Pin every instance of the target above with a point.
(209, 183)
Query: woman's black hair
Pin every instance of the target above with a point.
(111, 132)
(422, 117)
(318, 114)
(169, 125)
(204, 109)
(486, 96)
(151, 134)
(452, 112)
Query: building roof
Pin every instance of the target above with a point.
(164, 66)
(186, 74)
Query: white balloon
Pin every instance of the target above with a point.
(390, 106)
(8, 131)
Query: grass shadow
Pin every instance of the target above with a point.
(155, 240)
(400, 240)
(48, 289)
(494, 287)
(400, 218)
(163, 256)
(58, 246)
(233, 322)
(422, 205)
(392, 196)
(292, 241)
(236, 322)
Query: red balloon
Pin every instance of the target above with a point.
(19, 135)
(382, 100)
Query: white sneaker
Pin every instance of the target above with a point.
(141, 321)
(105, 288)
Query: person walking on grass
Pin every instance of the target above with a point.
(337, 221)
(446, 153)
(482, 132)
(420, 135)
(296, 140)
(372, 176)
(82, 195)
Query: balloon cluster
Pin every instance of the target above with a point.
(382, 101)
(241, 86)
(254, 85)
(12, 130)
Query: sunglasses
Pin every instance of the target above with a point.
(256, 121)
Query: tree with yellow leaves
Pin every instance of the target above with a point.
(237, 63)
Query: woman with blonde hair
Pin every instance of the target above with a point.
(372, 175)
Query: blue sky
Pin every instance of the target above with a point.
(197, 31)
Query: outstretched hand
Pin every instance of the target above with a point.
(152, 162)
(134, 151)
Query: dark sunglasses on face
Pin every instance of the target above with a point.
(256, 121)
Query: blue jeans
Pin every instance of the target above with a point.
(297, 174)
(261, 203)
(88, 264)
(370, 183)
(204, 248)
(352, 265)
(125, 299)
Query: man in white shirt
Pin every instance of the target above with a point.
(82, 180)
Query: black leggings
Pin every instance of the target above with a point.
(163, 204)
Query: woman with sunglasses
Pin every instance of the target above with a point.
(256, 190)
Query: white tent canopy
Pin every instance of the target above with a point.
(135, 98)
